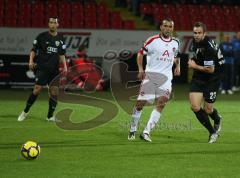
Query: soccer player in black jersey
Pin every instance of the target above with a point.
(47, 52)
(205, 82)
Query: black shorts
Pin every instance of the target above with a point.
(46, 78)
(209, 89)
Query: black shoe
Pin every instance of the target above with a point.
(131, 136)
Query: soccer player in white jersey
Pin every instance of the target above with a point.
(161, 51)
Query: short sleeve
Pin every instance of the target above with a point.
(144, 49)
(62, 50)
(177, 51)
(36, 44)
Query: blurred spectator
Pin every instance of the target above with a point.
(84, 73)
(133, 5)
(236, 48)
(228, 55)
(121, 3)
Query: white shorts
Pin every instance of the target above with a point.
(154, 86)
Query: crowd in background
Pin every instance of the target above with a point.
(230, 49)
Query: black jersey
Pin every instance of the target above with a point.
(48, 48)
(206, 53)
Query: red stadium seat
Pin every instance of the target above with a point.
(182, 9)
(103, 20)
(1, 12)
(10, 13)
(204, 9)
(169, 9)
(51, 9)
(90, 24)
(193, 9)
(38, 19)
(102, 8)
(24, 18)
(76, 8)
(11, 22)
(145, 9)
(64, 14)
(90, 8)
(116, 24)
(103, 24)
(116, 20)
(129, 24)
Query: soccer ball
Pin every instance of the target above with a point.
(30, 150)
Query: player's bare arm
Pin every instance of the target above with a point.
(206, 69)
(177, 70)
(141, 73)
(63, 61)
(31, 57)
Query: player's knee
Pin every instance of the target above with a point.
(208, 110)
(37, 90)
(139, 105)
(195, 108)
(53, 91)
(160, 106)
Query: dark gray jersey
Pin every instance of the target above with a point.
(48, 48)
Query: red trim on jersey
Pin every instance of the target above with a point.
(147, 42)
(150, 40)
(164, 39)
(140, 51)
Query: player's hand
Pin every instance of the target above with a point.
(177, 71)
(141, 74)
(31, 65)
(191, 64)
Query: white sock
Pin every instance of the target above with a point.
(135, 119)
(154, 118)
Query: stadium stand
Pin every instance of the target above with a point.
(216, 16)
(93, 15)
(72, 14)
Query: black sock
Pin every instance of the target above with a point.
(215, 116)
(204, 120)
(32, 98)
(52, 105)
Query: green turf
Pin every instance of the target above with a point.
(179, 147)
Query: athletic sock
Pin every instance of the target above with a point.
(52, 105)
(215, 116)
(153, 120)
(204, 120)
(136, 115)
(31, 99)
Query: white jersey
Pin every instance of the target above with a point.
(160, 54)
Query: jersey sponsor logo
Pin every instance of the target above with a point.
(74, 40)
(208, 63)
(57, 43)
(166, 53)
(52, 49)
(164, 59)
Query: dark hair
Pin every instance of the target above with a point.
(167, 19)
(200, 24)
(55, 18)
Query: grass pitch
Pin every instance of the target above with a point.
(179, 147)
